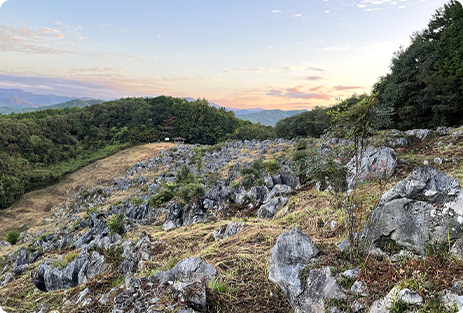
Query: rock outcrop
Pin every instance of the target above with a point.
(427, 205)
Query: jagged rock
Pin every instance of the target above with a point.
(374, 163)
(395, 295)
(457, 249)
(258, 194)
(291, 253)
(191, 276)
(419, 133)
(272, 207)
(195, 212)
(126, 267)
(278, 190)
(173, 217)
(94, 266)
(405, 218)
(83, 240)
(287, 178)
(22, 261)
(268, 182)
(231, 229)
(240, 196)
(450, 300)
(49, 278)
(141, 180)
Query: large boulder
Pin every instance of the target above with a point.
(258, 194)
(272, 207)
(22, 260)
(191, 276)
(374, 163)
(228, 230)
(427, 205)
(195, 212)
(291, 253)
(173, 217)
(50, 278)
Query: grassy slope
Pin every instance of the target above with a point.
(241, 260)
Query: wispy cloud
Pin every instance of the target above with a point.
(313, 78)
(296, 93)
(276, 11)
(14, 39)
(340, 87)
(311, 68)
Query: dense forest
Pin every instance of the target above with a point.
(37, 148)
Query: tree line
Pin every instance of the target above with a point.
(38, 148)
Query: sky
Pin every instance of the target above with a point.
(273, 54)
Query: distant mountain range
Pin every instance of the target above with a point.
(19, 101)
(268, 117)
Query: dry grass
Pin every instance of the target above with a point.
(34, 207)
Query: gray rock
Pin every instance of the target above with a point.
(291, 253)
(271, 208)
(173, 217)
(374, 163)
(194, 213)
(190, 276)
(49, 278)
(383, 305)
(450, 300)
(231, 229)
(359, 288)
(410, 297)
(352, 273)
(438, 160)
(278, 190)
(258, 194)
(344, 245)
(423, 183)
(22, 261)
(419, 133)
(268, 182)
(457, 249)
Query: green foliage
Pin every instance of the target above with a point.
(190, 191)
(71, 256)
(160, 198)
(59, 264)
(218, 286)
(400, 307)
(38, 148)
(425, 84)
(184, 176)
(249, 131)
(137, 201)
(116, 224)
(12, 237)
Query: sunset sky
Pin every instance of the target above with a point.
(291, 54)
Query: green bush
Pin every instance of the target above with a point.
(272, 166)
(160, 198)
(116, 224)
(137, 201)
(12, 237)
(184, 176)
(190, 191)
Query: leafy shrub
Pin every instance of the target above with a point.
(272, 166)
(160, 198)
(184, 176)
(137, 201)
(12, 237)
(190, 191)
(116, 224)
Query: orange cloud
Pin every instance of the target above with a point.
(316, 88)
(340, 87)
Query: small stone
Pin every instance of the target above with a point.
(425, 162)
(333, 225)
(344, 245)
(359, 288)
(410, 297)
(352, 273)
(438, 160)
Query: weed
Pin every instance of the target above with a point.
(12, 237)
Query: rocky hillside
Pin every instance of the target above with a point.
(237, 227)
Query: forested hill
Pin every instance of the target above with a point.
(268, 117)
(37, 148)
(79, 103)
